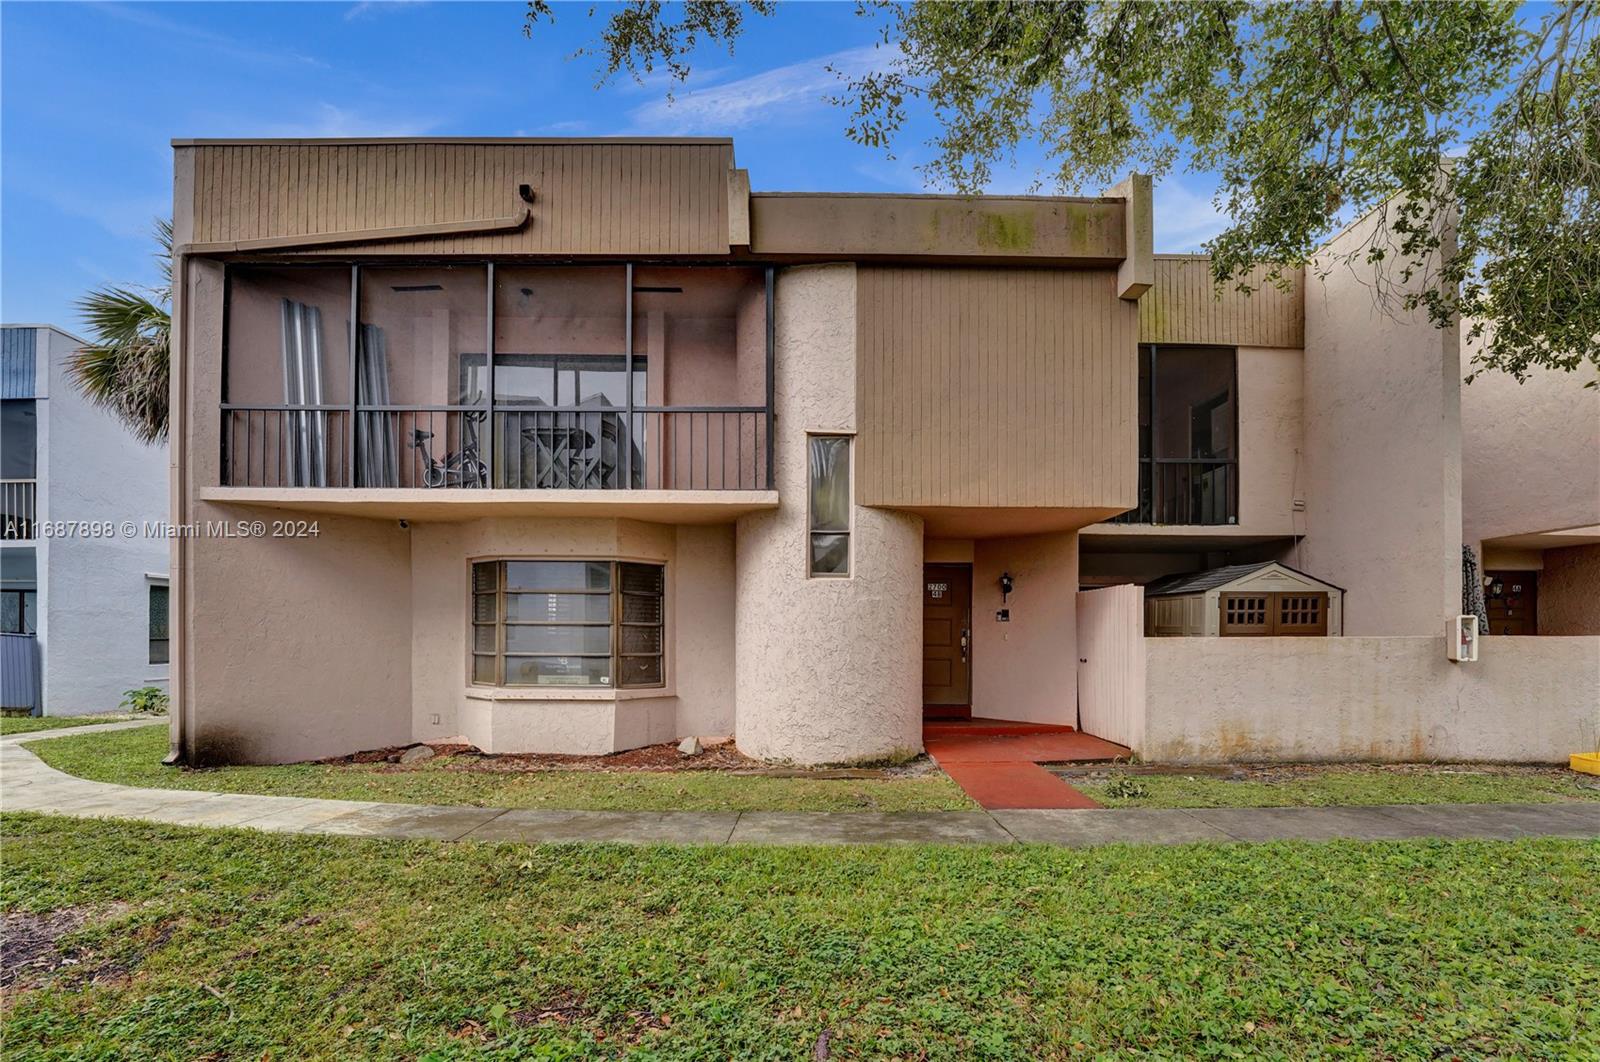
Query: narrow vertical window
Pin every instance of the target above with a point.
(159, 644)
(828, 461)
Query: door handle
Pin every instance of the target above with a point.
(965, 635)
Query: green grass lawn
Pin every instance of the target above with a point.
(133, 757)
(1353, 785)
(234, 944)
(28, 723)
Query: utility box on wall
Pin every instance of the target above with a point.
(1461, 639)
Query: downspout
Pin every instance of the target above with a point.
(181, 729)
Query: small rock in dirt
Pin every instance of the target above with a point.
(416, 754)
(690, 746)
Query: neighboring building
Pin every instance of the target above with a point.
(578, 445)
(1531, 497)
(79, 567)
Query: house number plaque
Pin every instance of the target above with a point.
(937, 590)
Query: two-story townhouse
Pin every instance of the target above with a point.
(83, 561)
(579, 445)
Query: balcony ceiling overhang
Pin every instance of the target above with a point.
(459, 506)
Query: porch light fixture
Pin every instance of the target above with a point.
(1005, 587)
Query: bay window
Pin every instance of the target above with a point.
(573, 623)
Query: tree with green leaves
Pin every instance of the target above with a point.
(125, 367)
(1474, 127)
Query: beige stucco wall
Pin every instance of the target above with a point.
(1026, 668)
(296, 647)
(1569, 591)
(1399, 699)
(1530, 453)
(828, 670)
(1271, 439)
(1383, 450)
(699, 639)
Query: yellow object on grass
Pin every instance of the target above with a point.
(1586, 762)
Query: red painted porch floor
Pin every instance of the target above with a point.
(996, 761)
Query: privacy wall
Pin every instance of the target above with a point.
(1215, 700)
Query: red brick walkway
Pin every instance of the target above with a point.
(997, 762)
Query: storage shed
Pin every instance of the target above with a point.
(1263, 600)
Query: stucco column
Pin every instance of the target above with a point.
(827, 670)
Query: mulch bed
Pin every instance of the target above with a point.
(722, 756)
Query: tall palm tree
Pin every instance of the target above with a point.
(125, 367)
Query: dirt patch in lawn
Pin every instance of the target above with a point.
(721, 756)
(30, 941)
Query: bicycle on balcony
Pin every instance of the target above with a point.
(458, 468)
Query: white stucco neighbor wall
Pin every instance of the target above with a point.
(94, 607)
(827, 670)
(1214, 700)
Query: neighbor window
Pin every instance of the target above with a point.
(828, 461)
(159, 645)
(567, 623)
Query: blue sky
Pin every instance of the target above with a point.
(91, 94)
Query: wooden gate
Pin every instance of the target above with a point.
(1111, 664)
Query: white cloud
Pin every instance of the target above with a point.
(369, 8)
(1185, 219)
(774, 95)
(326, 119)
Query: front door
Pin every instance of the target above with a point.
(947, 640)
(1513, 602)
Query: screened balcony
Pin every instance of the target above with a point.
(498, 376)
(1188, 437)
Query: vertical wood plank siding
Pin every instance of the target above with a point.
(994, 387)
(589, 198)
(1185, 306)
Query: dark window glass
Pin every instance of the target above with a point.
(159, 644)
(19, 437)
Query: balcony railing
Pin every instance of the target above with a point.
(19, 508)
(529, 448)
(1185, 492)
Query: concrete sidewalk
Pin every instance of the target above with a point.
(28, 784)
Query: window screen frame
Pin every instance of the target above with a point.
(614, 625)
(850, 518)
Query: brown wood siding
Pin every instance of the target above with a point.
(993, 387)
(1185, 306)
(590, 198)
(1072, 231)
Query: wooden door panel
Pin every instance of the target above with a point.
(946, 620)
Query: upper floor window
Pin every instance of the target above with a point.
(568, 623)
(828, 504)
(1188, 436)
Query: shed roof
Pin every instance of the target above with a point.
(1200, 582)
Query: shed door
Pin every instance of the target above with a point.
(1282, 615)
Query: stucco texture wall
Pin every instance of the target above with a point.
(828, 670)
(94, 620)
(1026, 668)
(1383, 449)
(301, 647)
(1530, 453)
(1569, 591)
(1213, 700)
